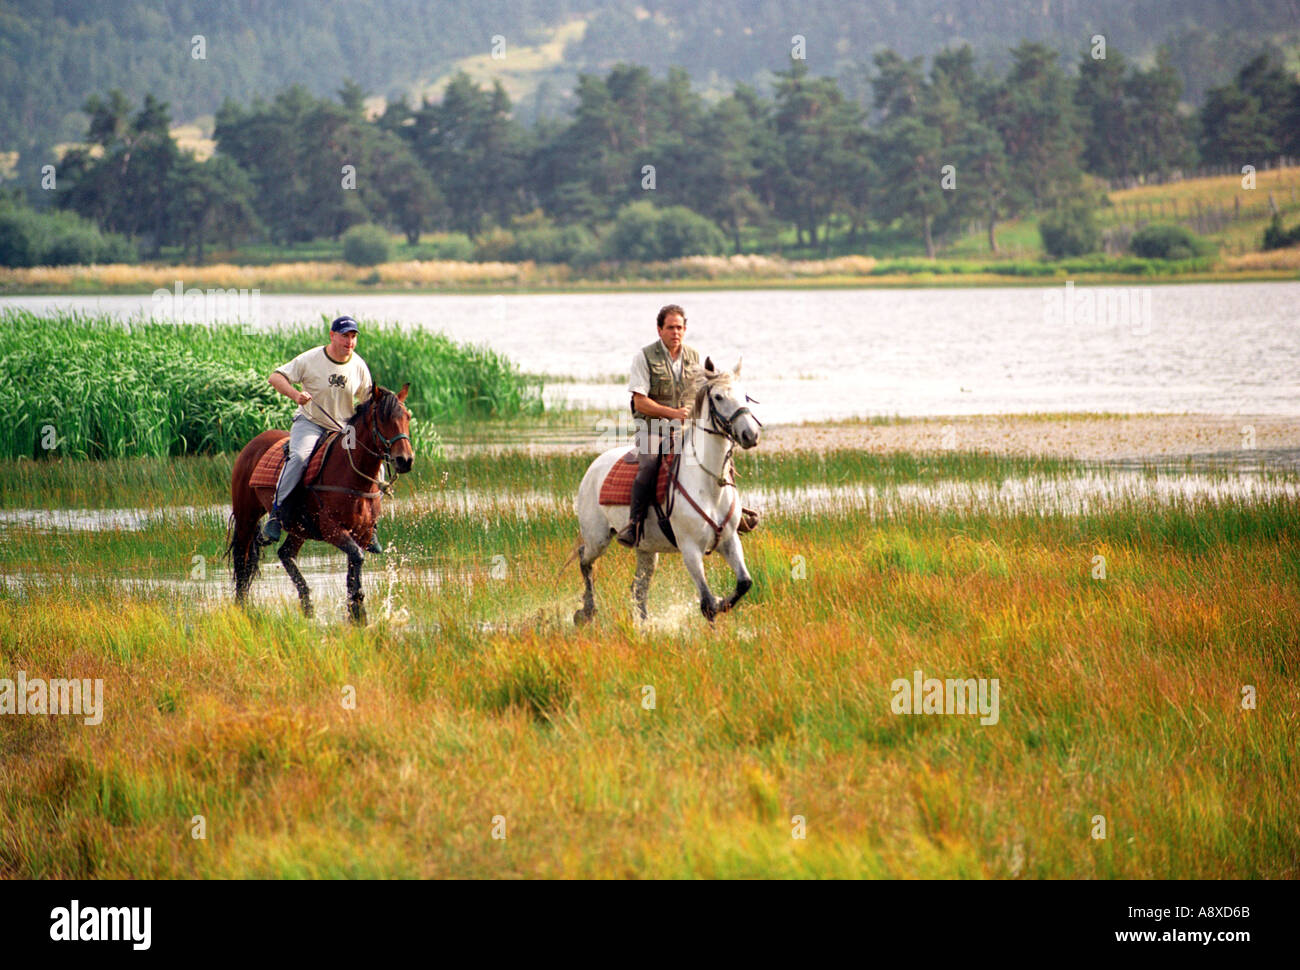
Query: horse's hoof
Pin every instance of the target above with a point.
(582, 617)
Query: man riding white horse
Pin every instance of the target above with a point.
(702, 511)
(658, 386)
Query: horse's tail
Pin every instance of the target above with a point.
(230, 537)
(577, 551)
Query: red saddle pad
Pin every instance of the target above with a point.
(616, 489)
(267, 472)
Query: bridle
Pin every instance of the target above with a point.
(386, 455)
(723, 428)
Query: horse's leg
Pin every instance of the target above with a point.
(289, 559)
(645, 570)
(693, 559)
(596, 535)
(735, 556)
(356, 558)
(244, 553)
(245, 550)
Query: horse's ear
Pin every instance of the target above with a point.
(375, 390)
(708, 364)
(736, 369)
(401, 395)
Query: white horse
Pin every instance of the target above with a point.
(705, 509)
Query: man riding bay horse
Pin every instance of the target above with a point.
(334, 380)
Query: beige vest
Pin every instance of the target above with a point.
(665, 387)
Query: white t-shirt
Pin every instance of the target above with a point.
(337, 388)
(640, 381)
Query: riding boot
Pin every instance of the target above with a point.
(271, 528)
(643, 490)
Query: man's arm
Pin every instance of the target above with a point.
(367, 386)
(639, 385)
(653, 409)
(281, 384)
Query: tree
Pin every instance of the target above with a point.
(475, 152)
(124, 187)
(211, 200)
(1034, 113)
(821, 142)
(909, 163)
(983, 187)
(1102, 98)
(410, 200)
(1232, 128)
(1158, 130)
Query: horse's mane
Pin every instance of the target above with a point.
(389, 408)
(700, 385)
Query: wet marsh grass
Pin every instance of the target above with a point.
(202, 480)
(476, 697)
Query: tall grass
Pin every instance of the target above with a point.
(104, 389)
(1119, 696)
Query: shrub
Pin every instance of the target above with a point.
(449, 245)
(1070, 229)
(367, 245)
(22, 238)
(1275, 237)
(643, 233)
(494, 245)
(683, 232)
(73, 244)
(1160, 241)
(31, 238)
(552, 244)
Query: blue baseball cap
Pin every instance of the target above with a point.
(344, 324)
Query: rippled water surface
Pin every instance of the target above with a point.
(818, 354)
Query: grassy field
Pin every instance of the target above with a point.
(480, 708)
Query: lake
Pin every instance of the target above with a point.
(821, 354)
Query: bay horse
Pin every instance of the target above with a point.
(340, 507)
(708, 517)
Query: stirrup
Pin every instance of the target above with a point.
(748, 521)
(630, 535)
(273, 527)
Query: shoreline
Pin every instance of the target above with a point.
(901, 282)
(1271, 440)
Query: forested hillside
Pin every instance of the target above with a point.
(56, 53)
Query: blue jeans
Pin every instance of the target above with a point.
(303, 435)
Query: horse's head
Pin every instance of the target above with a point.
(385, 417)
(721, 403)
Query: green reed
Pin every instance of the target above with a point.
(93, 387)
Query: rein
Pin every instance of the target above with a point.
(385, 488)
